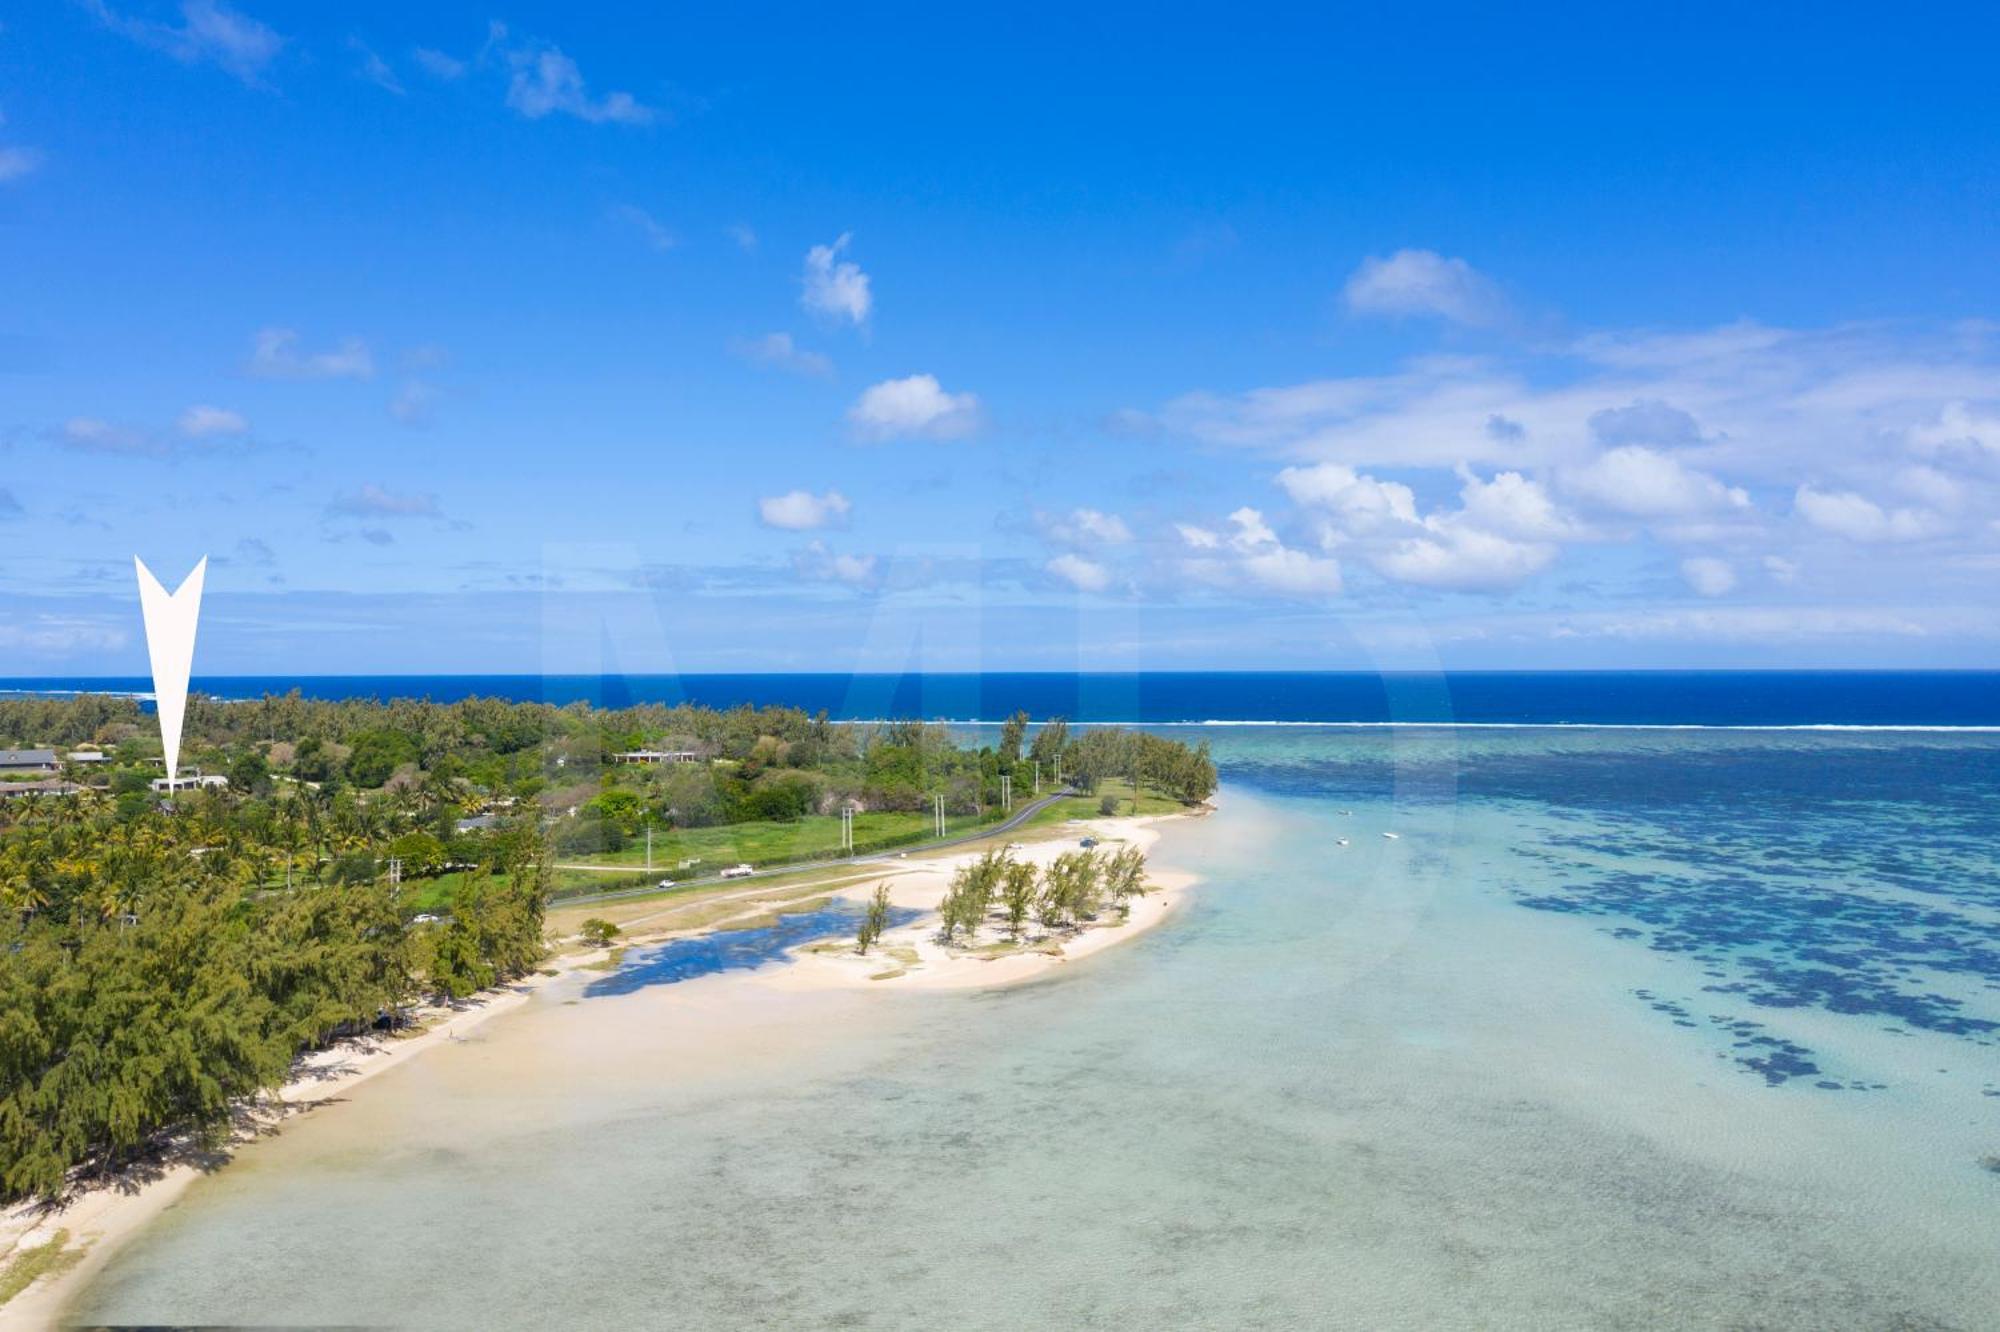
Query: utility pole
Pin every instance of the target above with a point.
(938, 806)
(1038, 776)
(847, 829)
(1006, 794)
(649, 844)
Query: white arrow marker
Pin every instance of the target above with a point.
(170, 624)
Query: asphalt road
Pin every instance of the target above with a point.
(1011, 823)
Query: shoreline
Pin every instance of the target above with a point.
(104, 1215)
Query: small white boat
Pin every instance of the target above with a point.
(1340, 841)
(1393, 836)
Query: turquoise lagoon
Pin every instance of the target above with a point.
(1625, 1028)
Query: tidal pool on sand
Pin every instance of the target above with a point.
(1625, 1029)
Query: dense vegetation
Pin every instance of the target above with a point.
(161, 961)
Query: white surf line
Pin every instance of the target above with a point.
(170, 626)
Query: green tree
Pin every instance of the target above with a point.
(598, 932)
(1012, 732)
(874, 920)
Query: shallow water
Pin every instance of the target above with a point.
(1500, 1072)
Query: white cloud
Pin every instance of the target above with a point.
(374, 68)
(801, 511)
(1643, 483)
(820, 564)
(779, 350)
(1781, 569)
(916, 407)
(649, 228)
(1456, 557)
(1198, 538)
(89, 434)
(543, 82)
(1294, 573)
(1423, 282)
(438, 64)
(18, 162)
(836, 287)
(1959, 427)
(276, 355)
(1082, 574)
(209, 32)
(200, 422)
(1251, 529)
(1082, 527)
(1709, 576)
(745, 237)
(1512, 505)
(1858, 518)
(1251, 557)
(1358, 504)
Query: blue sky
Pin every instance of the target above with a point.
(768, 338)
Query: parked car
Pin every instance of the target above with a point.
(666, 883)
(738, 872)
(1087, 843)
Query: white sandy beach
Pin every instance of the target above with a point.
(100, 1217)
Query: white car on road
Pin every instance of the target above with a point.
(738, 872)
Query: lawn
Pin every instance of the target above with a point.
(765, 842)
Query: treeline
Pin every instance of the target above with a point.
(752, 763)
(146, 987)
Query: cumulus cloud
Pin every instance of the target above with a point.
(542, 81)
(781, 352)
(1082, 574)
(1081, 527)
(275, 354)
(200, 422)
(373, 501)
(209, 33)
(820, 564)
(1358, 504)
(1707, 575)
(801, 510)
(836, 287)
(917, 407)
(1249, 556)
(1858, 518)
(1644, 483)
(1424, 282)
(1458, 557)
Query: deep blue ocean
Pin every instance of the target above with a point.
(1584, 698)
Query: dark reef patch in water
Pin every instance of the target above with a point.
(1847, 873)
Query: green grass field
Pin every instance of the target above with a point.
(767, 843)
